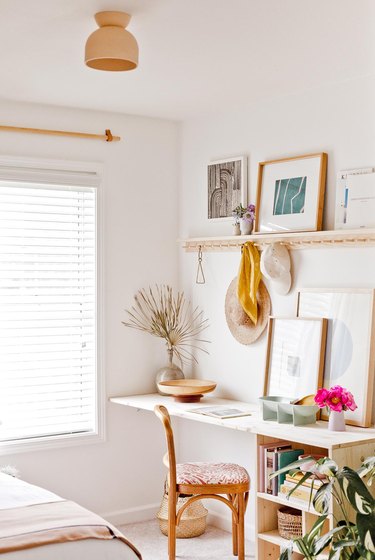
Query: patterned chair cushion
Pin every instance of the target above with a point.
(211, 473)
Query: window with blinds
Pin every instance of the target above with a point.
(48, 310)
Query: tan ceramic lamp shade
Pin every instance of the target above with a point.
(112, 47)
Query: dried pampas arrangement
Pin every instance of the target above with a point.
(159, 312)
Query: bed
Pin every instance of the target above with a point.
(35, 523)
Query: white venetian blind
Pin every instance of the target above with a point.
(47, 309)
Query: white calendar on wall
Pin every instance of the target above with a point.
(355, 199)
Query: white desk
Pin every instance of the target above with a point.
(346, 448)
(315, 434)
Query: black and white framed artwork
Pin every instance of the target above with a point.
(227, 187)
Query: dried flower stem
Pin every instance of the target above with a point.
(160, 313)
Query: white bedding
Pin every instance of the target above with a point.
(17, 493)
(80, 550)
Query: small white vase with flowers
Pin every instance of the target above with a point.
(337, 399)
(243, 219)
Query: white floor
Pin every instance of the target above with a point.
(214, 544)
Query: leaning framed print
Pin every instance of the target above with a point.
(350, 352)
(290, 194)
(226, 187)
(295, 357)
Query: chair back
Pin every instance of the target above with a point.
(163, 415)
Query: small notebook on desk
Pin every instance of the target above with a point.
(220, 411)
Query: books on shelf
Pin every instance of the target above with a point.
(271, 458)
(302, 496)
(267, 464)
(302, 493)
(311, 481)
(285, 459)
(220, 411)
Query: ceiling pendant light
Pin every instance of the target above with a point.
(112, 47)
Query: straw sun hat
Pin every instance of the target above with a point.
(240, 325)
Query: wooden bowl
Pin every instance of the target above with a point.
(186, 390)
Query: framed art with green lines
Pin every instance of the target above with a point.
(290, 194)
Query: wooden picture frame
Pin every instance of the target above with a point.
(226, 187)
(290, 194)
(295, 356)
(350, 355)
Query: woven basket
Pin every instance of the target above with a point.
(193, 520)
(289, 523)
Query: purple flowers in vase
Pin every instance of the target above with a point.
(245, 217)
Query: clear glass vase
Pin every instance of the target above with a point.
(169, 372)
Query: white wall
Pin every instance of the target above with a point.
(337, 119)
(140, 229)
(140, 198)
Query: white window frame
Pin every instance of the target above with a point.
(63, 172)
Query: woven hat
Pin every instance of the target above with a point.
(275, 266)
(240, 325)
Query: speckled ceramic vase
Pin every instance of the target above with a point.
(169, 372)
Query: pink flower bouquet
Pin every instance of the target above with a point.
(336, 398)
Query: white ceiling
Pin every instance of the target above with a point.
(196, 56)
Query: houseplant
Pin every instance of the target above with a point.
(169, 316)
(353, 537)
(244, 217)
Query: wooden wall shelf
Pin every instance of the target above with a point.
(302, 240)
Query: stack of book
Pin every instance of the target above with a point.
(304, 493)
(271, 458)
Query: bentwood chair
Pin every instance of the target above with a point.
(227, 482)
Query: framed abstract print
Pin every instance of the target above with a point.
(295, 357)
(350, 352)
(226, 187)
(290, 194)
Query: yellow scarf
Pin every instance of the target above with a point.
(248, 280)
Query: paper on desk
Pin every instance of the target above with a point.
(220, 411)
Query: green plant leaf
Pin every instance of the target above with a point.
(355, 491)
(323, 467)
(295, 465)
(321, 543)
(322, 497)
(299, 482)
(343, 554)
(364, 554)
(304, 548)
(334, 554)
(366, 530)
(326, 466)
(367, 469)
(339, 545)
(284, 555)
(315, 530)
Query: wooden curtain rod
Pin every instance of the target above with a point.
(107, 136)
